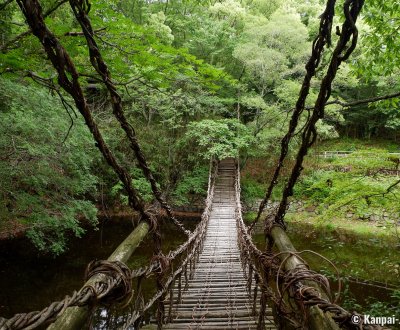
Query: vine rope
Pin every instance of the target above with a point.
(297, 289)
(115, 286)
(344, 47)
(101, 68)
(323, 38)
(304, 287)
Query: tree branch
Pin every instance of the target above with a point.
(102, 69)
(80, 33)
(360, 102)
(365, 101)
(49, 83)
(10, 44)
(388, 190)
(367, 197)
(68, 79)
(113, 45)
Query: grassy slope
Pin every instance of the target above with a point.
(338, 187)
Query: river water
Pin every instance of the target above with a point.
(30, 280)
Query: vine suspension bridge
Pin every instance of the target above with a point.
(217, 296)
(217, 279)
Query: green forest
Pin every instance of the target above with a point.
(190, 75)
(194, 80)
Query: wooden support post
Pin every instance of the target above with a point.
(186, 278)
(261, 314)
(317, 318)
(254, 310)
(171, 300)
(249, 278)
(74, 318)
(180, 288)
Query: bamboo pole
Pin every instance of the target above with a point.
(74, 318)
(318, 320)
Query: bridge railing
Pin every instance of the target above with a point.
(300, 297)
(111, 282)
(180, 266)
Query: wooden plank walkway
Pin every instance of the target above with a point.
(217, 296)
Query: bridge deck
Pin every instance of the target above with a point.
(217, 296)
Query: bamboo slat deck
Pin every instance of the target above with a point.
(217, 296)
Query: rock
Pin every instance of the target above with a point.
(374, 218)
(310, 208)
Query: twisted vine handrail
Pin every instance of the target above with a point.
(298, 288)
(115, 285)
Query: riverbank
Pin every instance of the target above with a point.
(14, 229)
(349, 227)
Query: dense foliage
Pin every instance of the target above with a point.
(46, 177)
(357, 186)
(197, 79)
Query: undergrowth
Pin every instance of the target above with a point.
(353, 187)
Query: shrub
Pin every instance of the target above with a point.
(45, 175)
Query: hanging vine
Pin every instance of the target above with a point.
(68, 78)
(80, 10)
(344, 47)
(323, 39)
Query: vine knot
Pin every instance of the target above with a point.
(117, 285)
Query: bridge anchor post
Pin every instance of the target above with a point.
(317, 319)
(74, 318)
